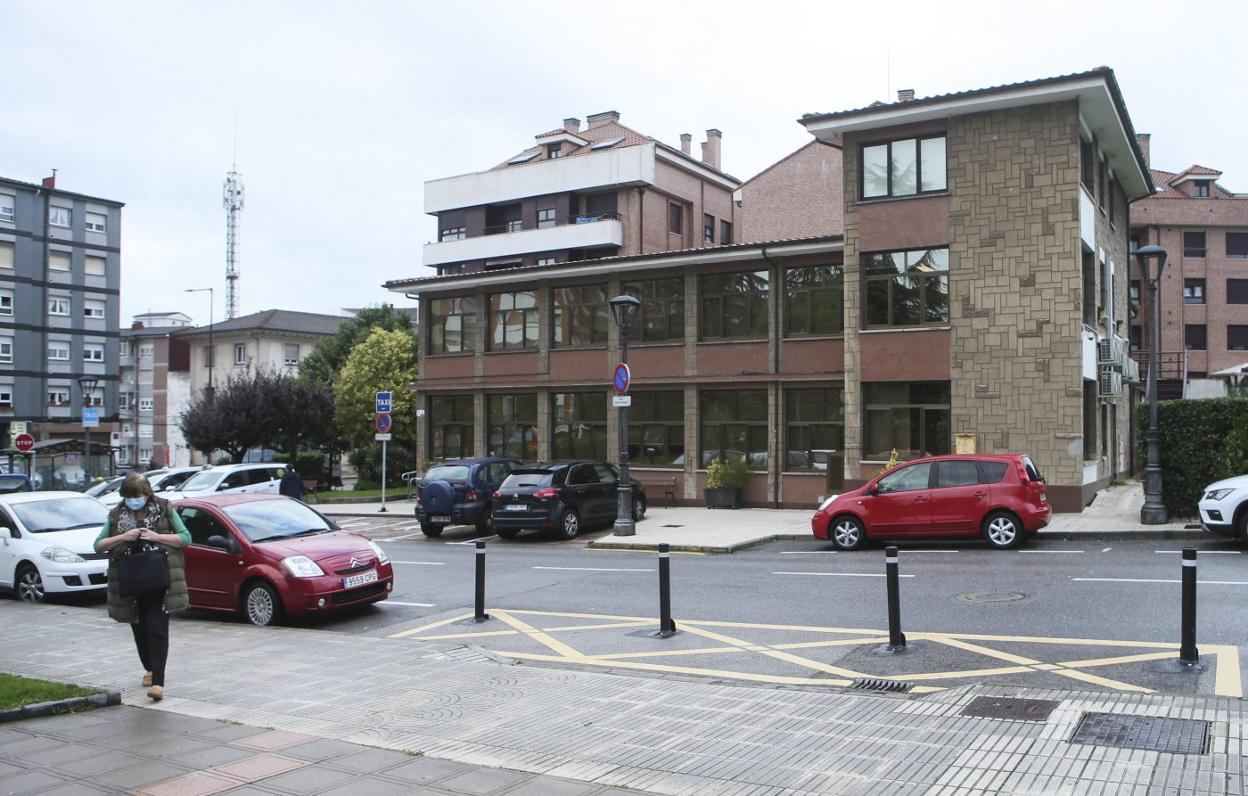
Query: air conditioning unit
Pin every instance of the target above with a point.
(1131, 371)
(1110, 384)
(1105, 351)
(114, 439)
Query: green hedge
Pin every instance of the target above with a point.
(309, 464)
(1202, 441)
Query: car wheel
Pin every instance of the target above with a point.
(847, 533)
(569, 524)
(1002, 530)
(486, 523)
(261, 604)
(507, 533)
(431, 530)
(29, 585)
(639, 508)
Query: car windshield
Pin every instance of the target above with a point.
(60, 514)
(14, 483)
(170, 481)
(267, 520)
(454, 473)
(527, 480)
(205, 480)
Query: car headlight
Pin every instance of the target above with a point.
(302, 567)
(1218, 494)
(382, 558)
(827, 502)
(61, 555)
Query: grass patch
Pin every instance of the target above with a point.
(345, 495)
(16, 692)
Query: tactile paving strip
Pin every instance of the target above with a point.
(1177, 736)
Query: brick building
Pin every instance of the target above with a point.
(978, 293)
(155, 390)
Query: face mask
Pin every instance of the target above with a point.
(134, 504)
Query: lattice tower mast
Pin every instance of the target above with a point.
(232, 201)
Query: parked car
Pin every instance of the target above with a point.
(168, 481)
(564, 496)
(15, 482)
(1224, 507)
(1002, 498)
(269, 556)
(234, 479)
(47, 544)
(460, 493)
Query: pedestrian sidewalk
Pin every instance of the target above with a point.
(669, 736)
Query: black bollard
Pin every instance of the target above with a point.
(1188, 654)
(896, 639)
(666, 626)
(481, 615)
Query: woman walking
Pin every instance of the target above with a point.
(142, 521)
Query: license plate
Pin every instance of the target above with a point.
(441, 518)
(515, 507)
(360, 579)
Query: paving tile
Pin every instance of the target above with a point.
(255, 768)
(369, 761)
(273, 740)
(98, 764)
(8, 769)
(138, 775)
(196, 783)
(30, 782)
(483, 781)
(371, 786)
(310, 779)
(171, 746)
(230, 732)
(73, 789)
(427, 769)
(549, 786)
(210, 756)
(252, 790)
(320, 750)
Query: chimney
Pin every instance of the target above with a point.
(711, 149)
(598, 119)
(1143, 140)
(905, 94)
(686, 143)
(50, 182)
(572, 125)
(137, 325)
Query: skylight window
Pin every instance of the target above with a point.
(524, 158)
(610, 142)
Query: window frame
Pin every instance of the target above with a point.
(497, 321)
(286, 358)
(527, 432)
(923, 407)
(755, 431)
(6, 400)
(1193, 251)
(584, 317)
(918, 167)
(56, 302)
(463, 429)
(1241, 240)
(56, 211)
(92, 348)
(1237, 329)
(591, 431)
(8, 299)
(146, 405)
(655, 441)
(240, 354)
(1194, 291)
(757, 305)
(91, 226)
(6, 350)
(1236, 291)
(675, 219)
(59, 346)
(798, 429)
(725, 233)
(657, 310)
(867, 279)
(452, 233)
(441, 311)
(1202, 189)
(1195, 330)
(549, 221)
(88, 305)
(58, 396)
(795, 294)
(8, 202)
(708, 228)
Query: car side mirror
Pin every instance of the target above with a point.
(221, 543)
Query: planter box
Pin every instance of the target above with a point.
(725, 498)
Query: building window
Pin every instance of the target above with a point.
(662, 315)
(579, 316)
(6, 302)
(207, 356)
(96, 399)
(512, 427)
(1200, 189)
(1087, 164)
(907, 288)
(95, 222)
(58, 397)
(1112, 199)
(903, 168)
(58, 261)
(1088, 274)
(1236, 338)
(1237, 245)
(60, 216)
(675, 218)
(6, 207)
(1193, 244)
(451, 426)
(290, 354)
(92, 352)
(656, 429)
(733, 425)
(579, 423)
(145, 456)
(513, 321)
(147, 404)
(814, 301)
(1137, 337)
(1102, 175)
(58, 350)
(123, 404)
(145, 431)
(725, 233)
(6, 254)
(58, 305)
(1237, 291)
(814, 429)
(734, 304)
(1194, 337)
(240, 353)
(6, 400)
(146, 351)
(453, 325)
(545, 218)
(1090, 403)
(554, 151)
(93, 308)
(911, 418)
(708, 228)
(453, 233)
(6, 350)
(545, 260)
(1193, 291)
(95, 266)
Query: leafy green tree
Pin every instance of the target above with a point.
(384, 360)
(331, 353)
(297, 411)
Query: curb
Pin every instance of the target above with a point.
(41, 710)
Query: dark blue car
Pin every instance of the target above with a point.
(460, 493)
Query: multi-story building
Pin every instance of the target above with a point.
(155, 389)
(60, 266)
(977, 300)
(1204, 289)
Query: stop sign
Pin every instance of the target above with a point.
(24, 442)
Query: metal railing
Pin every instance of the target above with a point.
(1171, 367)
(519, 226)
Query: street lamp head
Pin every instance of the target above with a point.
(623, 308)
(88, 383)
(1144, 255)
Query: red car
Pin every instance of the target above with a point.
(268, 555)
(1002, 498)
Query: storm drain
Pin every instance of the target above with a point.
(1010, 708)
(1177, 736)
(671, 526)
(881, 684)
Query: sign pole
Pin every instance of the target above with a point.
(383, 475)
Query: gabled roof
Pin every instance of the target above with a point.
(289, 321)
(1166, 182)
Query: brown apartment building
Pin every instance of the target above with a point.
(977, 298)
(1204, 290)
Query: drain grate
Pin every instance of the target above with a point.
(1009, 708)
(881, 684)
(1177, 736)
(671, 526)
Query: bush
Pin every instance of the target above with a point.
(309, 464)
(724, 474)
(1202, 441)
(367, 464)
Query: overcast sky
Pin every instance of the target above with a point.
(344, 109)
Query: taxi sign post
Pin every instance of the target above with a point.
(383, 405)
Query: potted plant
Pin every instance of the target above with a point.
(724, 481)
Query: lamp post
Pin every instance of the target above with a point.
(1154, 510)
(212, 351)
(623, 308)
(87, 384)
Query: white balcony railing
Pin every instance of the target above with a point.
(604, 232)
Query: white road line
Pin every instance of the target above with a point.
(929, 551)
(1049, 551)
(1106, 549)
(595, 569)
(1203, 552)
(421, 563)
(473, 541)
(412, 605)
(807, 552)
(841, 574)
(1162, 580)
(352, 524)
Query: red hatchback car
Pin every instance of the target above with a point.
(999, 497)
(268, 555)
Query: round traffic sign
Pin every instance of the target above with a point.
(621, 378)
(23, 442)
(383, 423)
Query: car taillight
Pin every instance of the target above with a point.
(496, 494)
(545, 494)
(470, 495)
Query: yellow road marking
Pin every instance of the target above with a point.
(1145, 656)
(647, 552)
(615, 656)
(470, 634)
(837, 642)
(963, 673)
(638, 623)
(787, 657)
(545, 639)
(1226, 681)
(976, 648)
(1104, 682)
(432, 625)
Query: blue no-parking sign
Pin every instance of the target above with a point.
(621, 378)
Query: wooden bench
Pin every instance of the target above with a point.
(667, 483)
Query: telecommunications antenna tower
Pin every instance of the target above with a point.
(232, 201)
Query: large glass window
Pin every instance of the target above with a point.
(580, 316)
(512, 425)
(513, 321)
(904, 167)
(1237, 245)
(813, 301)
(814, 428)
(656, 429)
(1194, 244)
(451, 427)
(579, 420)
(906, 288)
(662, 315)
(733, 425)
(1236, 337)
(734, 304)
(909, 417)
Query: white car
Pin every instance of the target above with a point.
(47, 544)
(1224, 507)
(233, 479)
(161, 481)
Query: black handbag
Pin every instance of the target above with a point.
(142, 570)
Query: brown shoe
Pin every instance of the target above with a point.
(147, 679)
(156, 693)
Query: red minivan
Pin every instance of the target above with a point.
(269, 555)
(999, 497)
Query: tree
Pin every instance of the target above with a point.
(384, 360)
(327, 359)
(297, 411)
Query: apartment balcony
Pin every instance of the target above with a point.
(586, 232)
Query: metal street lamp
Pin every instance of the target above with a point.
(212, 351)
(623, 309)
(1154, 510)
(87, 384)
